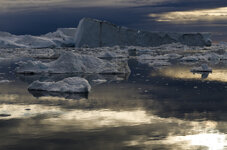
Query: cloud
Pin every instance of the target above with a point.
(17, 5)
(192, 16)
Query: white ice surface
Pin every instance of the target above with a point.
(69, 85)
(63, 37)
(70, 62)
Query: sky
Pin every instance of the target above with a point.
(41, 16)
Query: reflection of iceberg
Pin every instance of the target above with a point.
(76, 96)
(92, 78)
(204, 75)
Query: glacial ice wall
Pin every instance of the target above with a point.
(96, 33)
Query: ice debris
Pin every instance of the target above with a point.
(68, 85)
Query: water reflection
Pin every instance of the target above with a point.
(138, 127)
(152, 109)
(183, 72)
(74, 96)
(26, 111)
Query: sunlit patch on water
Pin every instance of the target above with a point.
(212, 141)
(202, 135)
(145, 111)
(185, 73)
(26, 111)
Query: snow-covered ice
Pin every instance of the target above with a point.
(63, 37)
(69, 85)
(70, 62)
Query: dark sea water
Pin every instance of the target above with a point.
(162, 109)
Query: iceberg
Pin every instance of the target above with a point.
(69, 62)
(97, 33)
(68, 85)
(63, 37)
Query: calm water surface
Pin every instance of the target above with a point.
(162, 109)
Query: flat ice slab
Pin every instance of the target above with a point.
(70, 62)
(68, 85)
(96, 33)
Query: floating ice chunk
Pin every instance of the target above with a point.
(69, 85)
(159, 57)
(96, 33)
(100, 81)
(69, 62)
(5, 81)
(202, 68)
(159, 63)
(190, 58)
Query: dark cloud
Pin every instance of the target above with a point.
(39, 21)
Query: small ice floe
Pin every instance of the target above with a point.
(70, 62)
(68, 85)
(159, 63)
(100, 81)
(5, 81)
(190, 58)
(202, 68)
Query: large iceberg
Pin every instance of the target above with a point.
(96, 33)
(69, 85)
(70, 62)
(63, 37)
